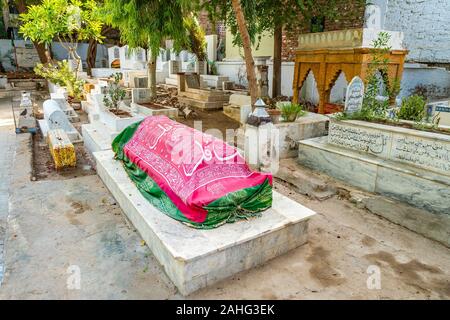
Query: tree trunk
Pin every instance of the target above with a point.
(151, 69)
(277, 44)
(44, 55)
(91, 55)
(249, 62)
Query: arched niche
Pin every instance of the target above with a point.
(309, 91)
(339, 89)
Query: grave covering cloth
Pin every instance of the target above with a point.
(191, 176)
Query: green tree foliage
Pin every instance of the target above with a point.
(148, 23)
(68, 21)
(412, 108)
(267, 16)
(60, 74)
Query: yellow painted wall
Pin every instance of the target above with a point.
(234, 52)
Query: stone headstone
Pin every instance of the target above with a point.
(132, 58)
(25, 99)
(184, 55)
(355, 95)
(55, 118)
(200, 67)
(192, 81)
(174, 67)
(188, 66)
(372, 17)
(141, 82)
(113, 54)
(141, 95)
(227, 85)
(211, 47)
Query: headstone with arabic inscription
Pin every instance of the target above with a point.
(355, 95)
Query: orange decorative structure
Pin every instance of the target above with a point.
(327, 64)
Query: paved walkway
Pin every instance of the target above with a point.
(7, 148)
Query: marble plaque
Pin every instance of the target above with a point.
(359, 139)
(355, 95)
(427, 153)
(140, 95)
(192, 81)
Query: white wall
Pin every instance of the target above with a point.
(235, 71)
(435, 80)
(426, 25)
(7, 53)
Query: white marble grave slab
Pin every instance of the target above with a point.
(194, 258)
(426, 150)
(422, 188)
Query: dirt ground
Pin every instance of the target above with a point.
(57, 225)
(210, 120)
(69, 222)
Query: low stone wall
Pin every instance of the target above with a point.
(426, 150)
(404, 164)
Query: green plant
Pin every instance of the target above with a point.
(115, 93)
(60, 74)
(212, 67)
(147, 24)
(68, 21)
(291, 111)
(412, 108)
(373, 108)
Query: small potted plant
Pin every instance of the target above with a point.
(274, 114)
(291, 111)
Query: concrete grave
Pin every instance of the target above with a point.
(140, 82)
(97, 136)
(211, 47)
(239, 107)
(55, 118)
(67, 109)
(61, 149)
(309, 126)
(213, 81)
(141, 95)
(113, 54)
(190, 93)
(174, 67)
(405, 164)
(152, 109)
(441, 110)
(194, 258)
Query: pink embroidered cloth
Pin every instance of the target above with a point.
(191, 167)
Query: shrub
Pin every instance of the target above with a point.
(115, 93)
(412, 108)
(291, 111)
(60, 74)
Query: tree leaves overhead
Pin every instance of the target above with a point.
(148, 23)
(265, 15)
(66, 20)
